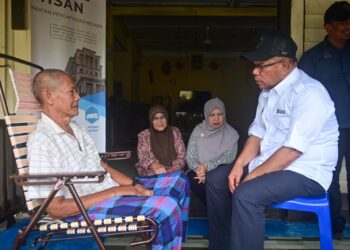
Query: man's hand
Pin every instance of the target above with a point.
(234, 178)
(201, 172)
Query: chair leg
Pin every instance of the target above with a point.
(145, 237)
(21, 236)
(149, 246)
(325, 228)
(44, 243)
(85, 215)
(44, 239)
(19, 240)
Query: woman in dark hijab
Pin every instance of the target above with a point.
(211, 151)
(162, 154)
(160, 148)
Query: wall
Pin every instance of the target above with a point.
(314, 31)
(124, 120)
(13, 42)
(226, 78)
(307, 22)
(129, 82)
(234, 86)
(122, 57)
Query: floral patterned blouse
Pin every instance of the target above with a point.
(147, 158)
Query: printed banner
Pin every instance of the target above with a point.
(71, 35)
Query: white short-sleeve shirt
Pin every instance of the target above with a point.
(52, 150)
(298, 113)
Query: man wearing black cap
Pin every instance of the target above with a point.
(292, 146)
(329, 63)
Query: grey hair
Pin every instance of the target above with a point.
(49, 79)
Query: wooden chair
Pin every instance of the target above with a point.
(19, 125)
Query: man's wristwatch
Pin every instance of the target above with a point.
(135, 182)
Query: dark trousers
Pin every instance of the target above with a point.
(216, 193)
(219, 207)
(338, 222)
(252, 197)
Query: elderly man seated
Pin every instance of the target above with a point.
(57, 145)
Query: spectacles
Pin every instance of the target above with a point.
(262, 66)
(160, 118)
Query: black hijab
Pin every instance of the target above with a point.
(162, 143)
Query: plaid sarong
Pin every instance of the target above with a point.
(176, 185)
(169, 207)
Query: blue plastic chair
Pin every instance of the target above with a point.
(318, 205)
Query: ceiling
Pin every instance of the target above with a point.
(194, 26)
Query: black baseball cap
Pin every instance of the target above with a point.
(272, 44)
(338, 11)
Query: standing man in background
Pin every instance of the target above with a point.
(329, 63)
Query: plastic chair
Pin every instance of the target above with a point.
(318, 205)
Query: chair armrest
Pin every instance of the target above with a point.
(112, 156)
(51, 178)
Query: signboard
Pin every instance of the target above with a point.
(71, 35)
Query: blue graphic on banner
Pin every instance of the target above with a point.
(92, 116)
(97, 100)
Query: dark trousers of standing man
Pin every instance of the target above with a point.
(338, 222)
(252, 197)
(219, 207)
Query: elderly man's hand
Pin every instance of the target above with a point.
(142, 191)
(138, 190)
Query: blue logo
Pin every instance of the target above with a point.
(92, 114)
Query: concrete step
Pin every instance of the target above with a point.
(122, 243)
